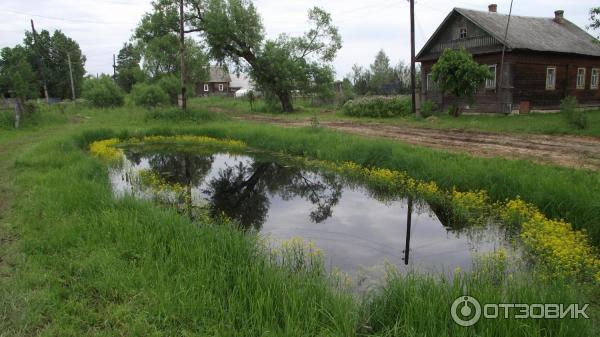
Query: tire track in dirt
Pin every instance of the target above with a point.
(569, 151)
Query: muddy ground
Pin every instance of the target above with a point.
(570, 151)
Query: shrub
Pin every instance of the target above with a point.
(574, 115)
(378, 106)
(7, 119)
(171, 85)
(149, 95)
(428, 109)
(103, 92)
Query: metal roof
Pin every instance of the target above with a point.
(530, 33)
(218, 75)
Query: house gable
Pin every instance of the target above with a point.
(456, 32)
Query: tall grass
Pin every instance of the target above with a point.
(89, 264)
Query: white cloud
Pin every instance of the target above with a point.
(101, 26)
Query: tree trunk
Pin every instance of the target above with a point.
(286, 101)
(18, 112)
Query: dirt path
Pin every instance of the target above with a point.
(570, 151)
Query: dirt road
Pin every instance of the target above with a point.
(570, 151)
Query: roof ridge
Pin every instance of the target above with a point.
(502, 14)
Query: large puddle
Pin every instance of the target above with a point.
(357, 228)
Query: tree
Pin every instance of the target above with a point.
(157, 41)
(381, 73)
(234, 32)
(595, 19)
(53, 50)
(17, 77)
(128, 70)
(456, 73)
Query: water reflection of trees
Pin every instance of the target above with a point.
(242, 192)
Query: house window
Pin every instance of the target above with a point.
(595, 78)
(430, 84)
(206, 87)
(550, 78)
(462, 33)
(491, 83)
(580, 78)
(221, 87)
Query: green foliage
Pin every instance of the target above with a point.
(171, 85)
(103, 92)
(149, 95)
(53, 50)
(157, 40)
(429, 108)
(595, 20)
(16, 74)
(575, 116)
(381, 78)
(128, 71)
(234, 31)
(378, 106)
(456, 73)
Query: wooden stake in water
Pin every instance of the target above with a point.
(408, 225)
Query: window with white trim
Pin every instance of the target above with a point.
(221, 87)
(491, 83)
(430, 83)
(580, 78)
(462, 33)
(206, 87)
(550, 78)
(595, 78)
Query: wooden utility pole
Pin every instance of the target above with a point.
(114, 66)
(71, 77)
(408, 226)
(501, 84)
(41, 63)
(413, 71)
(182, 56)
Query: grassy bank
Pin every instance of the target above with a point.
(536, 123)
(89, 264)
(558, 192)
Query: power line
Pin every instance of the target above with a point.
(66, 19)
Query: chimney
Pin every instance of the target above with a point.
(559, 16)
(493, 8)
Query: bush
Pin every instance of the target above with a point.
(428, 109)
(378, 106)
(149, 95)
(103, 92)
(574, 115)
(7, 119)
(171, 85)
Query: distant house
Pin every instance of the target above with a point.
(218, 83)
(546, 60)
(222, 83)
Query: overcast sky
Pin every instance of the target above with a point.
(101, 26)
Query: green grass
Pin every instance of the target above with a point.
(75, 261)
(536, 123)
(89, 264)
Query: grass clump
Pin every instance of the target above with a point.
(175, 114)
(378, 106)
(574, 115)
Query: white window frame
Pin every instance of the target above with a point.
(580, 78)
(206, 88)
(595, 79)
(460, 33)
(550, 86)
(491, 83)
(221, 87)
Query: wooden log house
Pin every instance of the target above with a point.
(546, 59)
